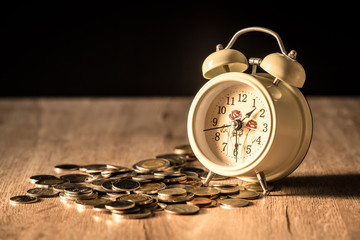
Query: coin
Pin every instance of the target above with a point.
(205, 191)
(119, 205)
(61, 187)
(172, 192)
(23, 199)
(147, 178)
(143, 213)
(150, 188)
(176, 199)
(125, 185)
(183, 149)
(245, 194)
(36, 178)
(257, 187)
(199, 201)
(90, 203)
(125, 211)
(216, 177)
(193, 169)
(229, 190)
(65, 167)
(153, 164)
(78, 190)
(95, 167)
(138, 199)
(42, 192)
(182, 177)
(74, 178)
(100, 208)
(47, 183)
(182, 209)
(233, 203)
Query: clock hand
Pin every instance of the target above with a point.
(248, 114)
(224, 126)
(236, 145)
(252, 128)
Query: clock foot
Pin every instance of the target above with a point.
(208, 179)
(262, 180)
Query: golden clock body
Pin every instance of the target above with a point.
(290, 132)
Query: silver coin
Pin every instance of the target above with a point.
(23, 199)
(143, 213)
(36, 178)
(66, 168)
(138, 199)
(74, 178)
(61, 187)
(78, 190)
(42, 192)
(245, 194)
(125, 185)
(47, 183)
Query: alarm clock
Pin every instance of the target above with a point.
(254, 126)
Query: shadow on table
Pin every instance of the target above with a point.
(341, 186)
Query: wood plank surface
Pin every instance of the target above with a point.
(320, 200)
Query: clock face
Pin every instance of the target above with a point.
(237, 124)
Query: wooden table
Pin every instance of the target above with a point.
(320, 200)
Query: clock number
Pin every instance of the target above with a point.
(242, 98)
(214, 121)
(217, 136)
(224, 146)
(262, 113)
(258, 140)
(222, 110)
(254, 103)
(230, 100)
(235, 152)
(265, 127)
(248, 149)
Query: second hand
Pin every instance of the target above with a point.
(224, 126)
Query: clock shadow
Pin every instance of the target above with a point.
(338, 186)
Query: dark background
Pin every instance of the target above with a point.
(56, 48)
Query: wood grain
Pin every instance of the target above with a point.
(320, 200)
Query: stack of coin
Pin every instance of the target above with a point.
(162, 183)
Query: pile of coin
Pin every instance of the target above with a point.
(165, 182)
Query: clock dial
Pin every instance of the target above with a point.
(237, 125)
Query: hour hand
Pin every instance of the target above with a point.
(247, 115)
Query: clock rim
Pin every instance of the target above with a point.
(230, 77)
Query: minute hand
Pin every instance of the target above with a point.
(208, 129)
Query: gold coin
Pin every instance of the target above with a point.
(245, 194)
(229, 190)
(138, 199)
(233, 203)
(119, 205)
(182, 209)
(257, 187)
(205, 191)
(183, 149)
(153, 164)
(150, 188)
(199, 201)
(172, 192)
(176, 199)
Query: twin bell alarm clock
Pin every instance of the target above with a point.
(254, 126)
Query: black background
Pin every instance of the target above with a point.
(149, 48)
